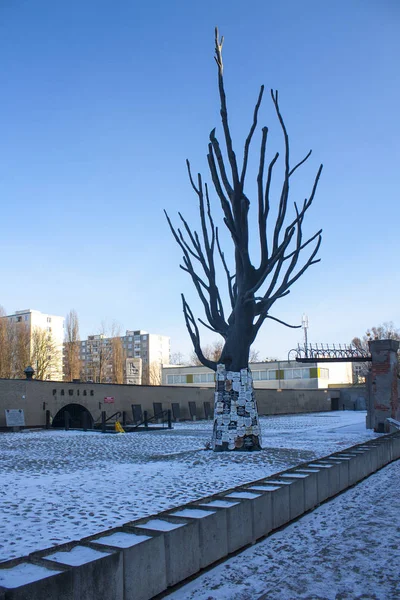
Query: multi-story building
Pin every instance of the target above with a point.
(97, 355)
(43, 336)
(273, 375)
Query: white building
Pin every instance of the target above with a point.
(53, 325)
(273, 375)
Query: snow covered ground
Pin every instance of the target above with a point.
(58, 486)
(346, 549)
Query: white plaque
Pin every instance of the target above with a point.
(15, 417)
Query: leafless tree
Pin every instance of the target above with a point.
(15, 347)
(253, 289)
(385, 331)
(7, 346)
(177, 358)
(22, 349)
(118, 356)
(72, 363)
(101, 365)
(254, 356)
(46, 355)
(213, 352)
(152, 373)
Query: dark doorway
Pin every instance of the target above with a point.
(334, 403)
(79, 417)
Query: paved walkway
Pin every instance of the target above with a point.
(347, 549)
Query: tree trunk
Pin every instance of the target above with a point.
(236, 423)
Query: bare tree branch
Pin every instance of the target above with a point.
(283, 251)
(195, 335)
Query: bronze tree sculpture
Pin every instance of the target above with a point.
(252, 289)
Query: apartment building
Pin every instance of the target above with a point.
(44, 336)
(151, 351)
(267, 375)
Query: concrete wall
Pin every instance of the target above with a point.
(353, 398)
(35, 397)
(143, 558)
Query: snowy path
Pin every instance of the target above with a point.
(58, 486)
(347, 549)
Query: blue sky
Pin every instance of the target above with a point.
(101, 103)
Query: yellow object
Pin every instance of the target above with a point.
(118, 427)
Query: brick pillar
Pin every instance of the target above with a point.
(383, 401)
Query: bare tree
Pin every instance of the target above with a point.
(213, 352)
(254, 356)
(101, 366)
(118, 356)
(72, 364)
(385, 331)
(15, 347)
(46, 356)
(7, 346)
(177, 358)
(152, 373)
(253, 289)
(22, 349)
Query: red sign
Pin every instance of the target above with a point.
(109, 400)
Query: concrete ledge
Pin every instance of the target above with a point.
(261, 510)
(239, 520)
(296, 492)
(143, 562)
(97, 575)
(182, 546)
(343, 467)
(279, 499)
(316, 488)
(140, 559)
(395, 442)
(24, 580)
(213, 531)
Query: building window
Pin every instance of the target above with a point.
(177, 378)
(49, 319)
(26, 317)
(71, 392)
(84, 392)
(18, 319)
(91, 392)
(62, 392)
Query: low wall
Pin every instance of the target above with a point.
(351, 397)
(145, 557)
(35, 397)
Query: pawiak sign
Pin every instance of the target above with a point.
(109, 400)
(15, 417)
